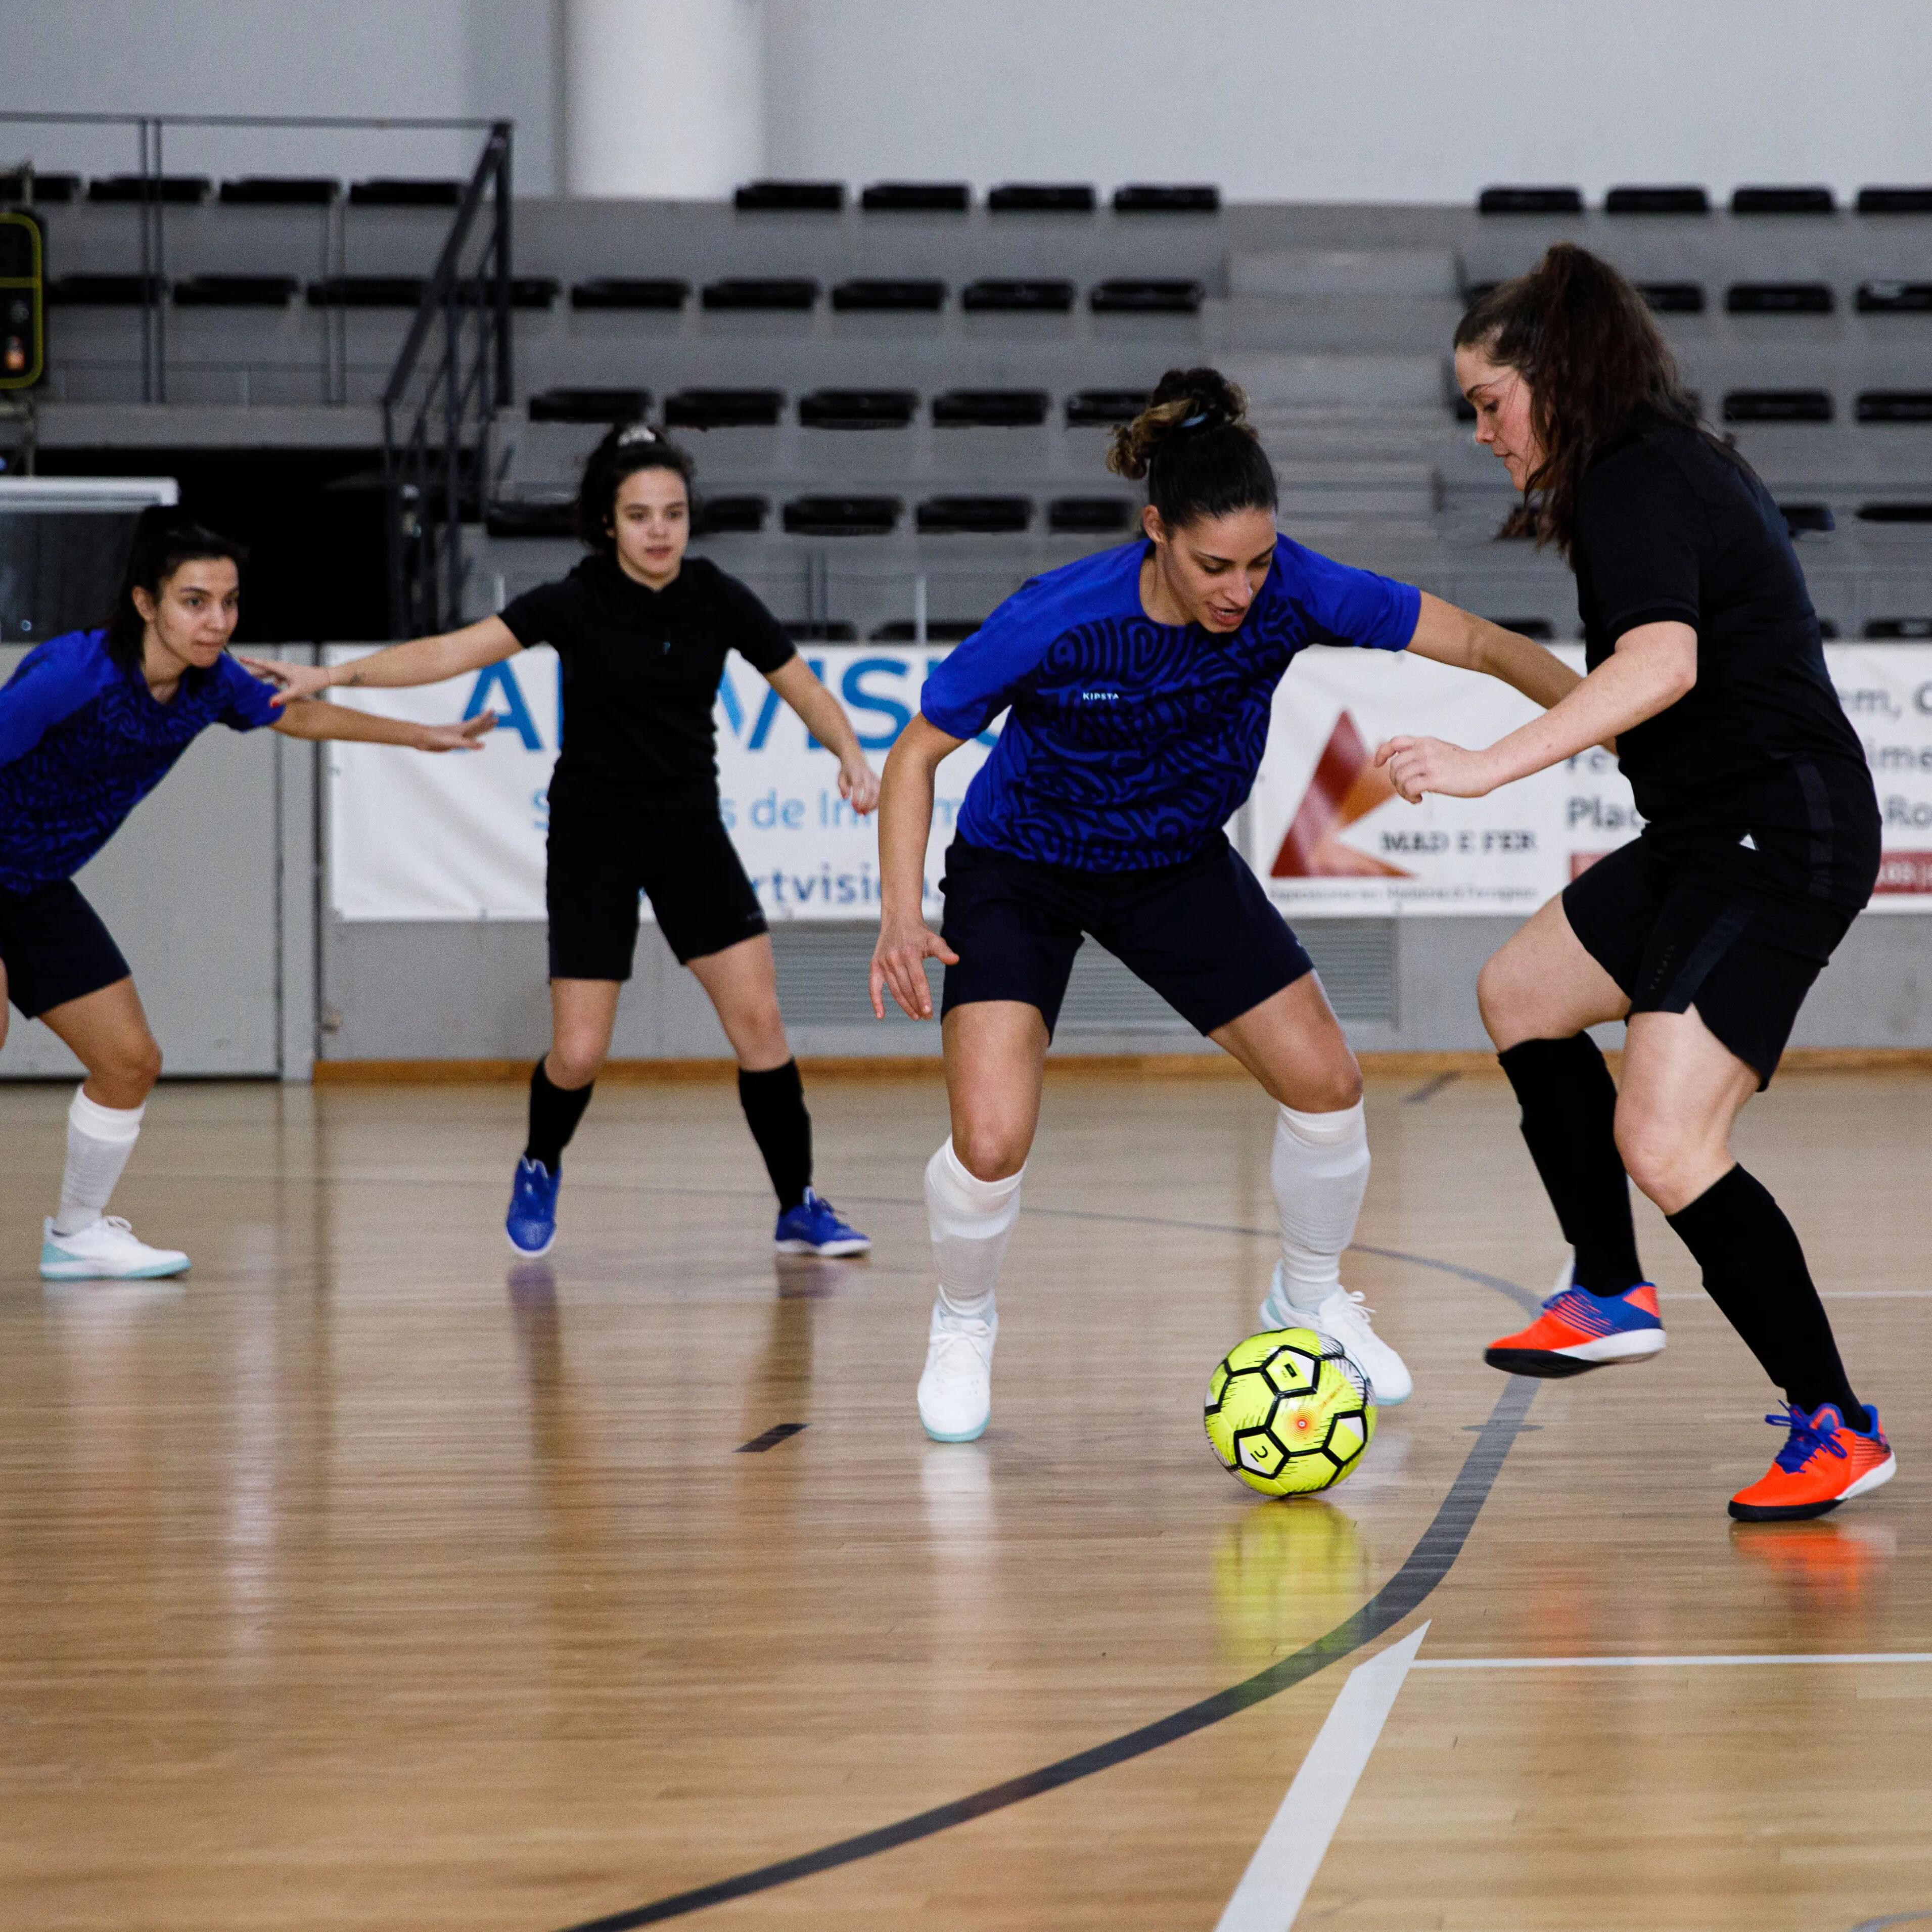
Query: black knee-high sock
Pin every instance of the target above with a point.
(1569, 1104)
(554, 1114)
(1754, 1270)
(774, 1105)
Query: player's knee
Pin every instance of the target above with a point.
(1655, 1150)
(574, 1063)
(1335, 1089)
(991, 1149)
(1501, 995)
(134, 1068)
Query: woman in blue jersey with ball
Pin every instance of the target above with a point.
(90, 723)
(1140, 683)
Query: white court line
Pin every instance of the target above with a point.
(1640, 1663)
(1291, 1850)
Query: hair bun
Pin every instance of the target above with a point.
(1186, 402)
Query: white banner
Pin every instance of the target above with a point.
(461, 836)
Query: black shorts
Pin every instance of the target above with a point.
(1692, 929)
(1201, 933)
(55, 948)
(684, 861)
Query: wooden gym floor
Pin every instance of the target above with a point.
(369, 1579)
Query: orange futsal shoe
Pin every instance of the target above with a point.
(1578, 1330)
(1825, 1462)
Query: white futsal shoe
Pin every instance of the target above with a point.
(955, 1392)
(1343, 1318)
(105, 1250)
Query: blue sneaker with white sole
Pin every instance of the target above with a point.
(531, 1223)
(814, 1228)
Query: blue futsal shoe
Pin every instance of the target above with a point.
(531, 1223)
(814, 1228)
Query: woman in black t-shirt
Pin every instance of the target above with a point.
(642, 631)
(1761, 846)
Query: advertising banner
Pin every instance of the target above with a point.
(461, 836)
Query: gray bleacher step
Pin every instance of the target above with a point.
(1362, 382)
(1379, 272)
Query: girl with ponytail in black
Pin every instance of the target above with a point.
(1761, 846)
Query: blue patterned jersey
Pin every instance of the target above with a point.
(1131, 743)
(82, 743)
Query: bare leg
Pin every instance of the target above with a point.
(108, 1033)
(1543, 984)
(1293, 1044)
(995, 1063)
(742, 983)
(582, 1015)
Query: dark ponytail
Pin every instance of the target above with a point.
(165, 537)
(1196, 447)
(628, 449)
(1584, 341)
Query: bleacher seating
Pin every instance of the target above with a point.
(917, 198)
(178, 190)
(1777, 406)
(991, 296)
(1895, 298)
(723, 408)
(1784, 201)
(1894, 201)
(630, 292)
(1779, 298)
(1038, 198)
(761, 292)
(368, 292)
(879, 296)
(985, 516)
(402, 191)
(1657, 201)
(603, 407)
(857, 409)
(279, 191)
(784, 197)
(992, 409)
(235, 291)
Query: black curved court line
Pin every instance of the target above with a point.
(779, 1432)
(1428, 1563)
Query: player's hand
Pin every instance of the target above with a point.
(899, 961)
(294, 680)
(859, 785)
(1419, 765)
(467, 736)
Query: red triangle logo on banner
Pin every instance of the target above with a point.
(1345, 787)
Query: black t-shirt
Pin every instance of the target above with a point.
(640, 673)
(1671, 527)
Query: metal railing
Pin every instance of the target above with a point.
(454, 373)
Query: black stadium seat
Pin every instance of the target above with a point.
(1088, 516)
(996, 297)
(86, 291)
(48, 188)
(1784, 201)
(406, 191)
(1041, 198)
(1779, 298)
(281, 191)
(1917, 629)
(1895, 201)
(589, 405)
(1089, 406)
(525, 291)
(1657, 201)
(1895, 513)
(235, 292)
(1800, 518)
(938, 630)
(991, 408)
(874, 295)
(1145, 295)
(1146, 199)
(616, 292)
(983, 516)
(1777, 406)
(917, 198)
(520, 516)
(731, 516)
(858, 408)
(1894, 298)
(1895, 406)
(368, 292)
(795, 292)
(842, 516)
(187, 190)
(724, 409)
(1530, 201)
(1673, 297)
(790, 197)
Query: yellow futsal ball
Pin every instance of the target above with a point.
(1288, 1412)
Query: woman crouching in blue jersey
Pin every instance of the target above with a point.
(1141, 682)
(90, 723)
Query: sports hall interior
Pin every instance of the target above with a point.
(368, 1577)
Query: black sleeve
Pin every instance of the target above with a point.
(540, 617)
(1643, 529)
(751, 631)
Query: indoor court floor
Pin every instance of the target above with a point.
(369, 1579)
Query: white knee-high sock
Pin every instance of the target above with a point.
(1320, 1170)
(971, 1220)
(99, 1140)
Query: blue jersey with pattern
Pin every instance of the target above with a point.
(1131, 743)
(83, 742)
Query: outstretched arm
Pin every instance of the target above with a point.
(1451, 636)
(1651, 667)
(906, 942)
(315, 720)
(421, 660)
(825, 719)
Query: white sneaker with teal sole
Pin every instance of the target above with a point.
(105, 1251)
(956, 1393)
(1343, 1318)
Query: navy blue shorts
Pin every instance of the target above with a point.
(1201, 933)
(55, 948)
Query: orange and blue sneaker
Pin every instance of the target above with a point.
(1578, 1331)
(1825, 1462)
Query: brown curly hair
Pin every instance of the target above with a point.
(1196, 447)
